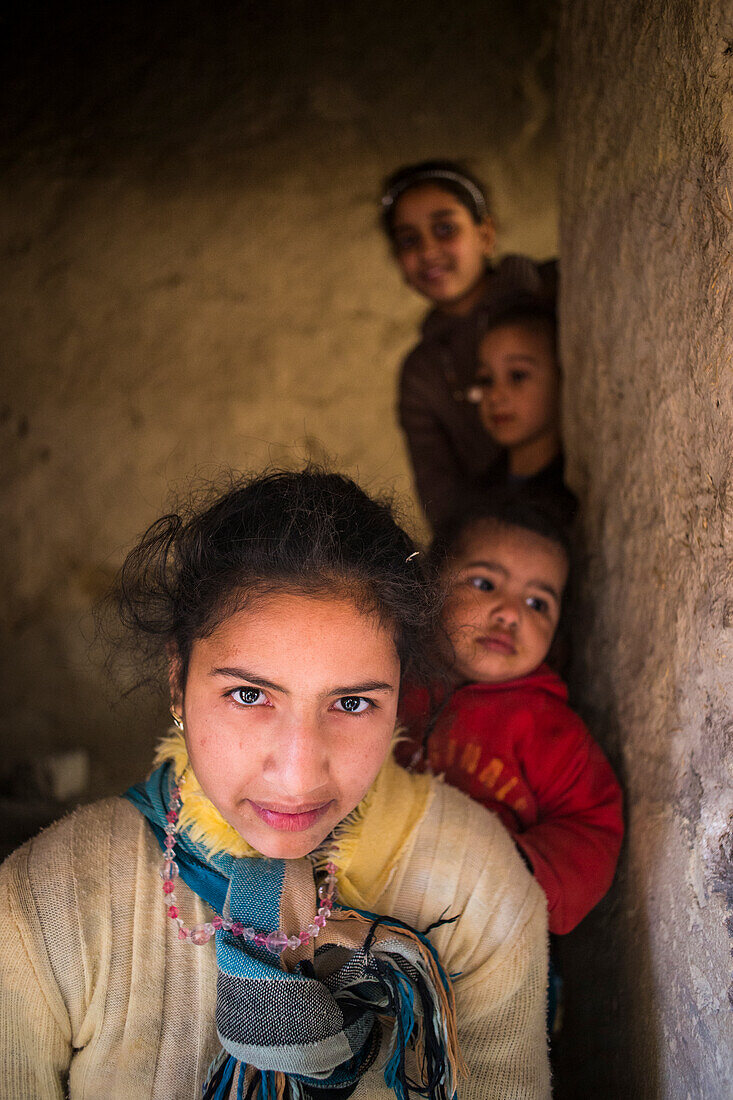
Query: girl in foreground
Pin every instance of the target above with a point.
(279, 910)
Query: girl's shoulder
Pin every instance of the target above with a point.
(72, 859)
(463, 863)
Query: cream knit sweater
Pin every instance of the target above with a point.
(100, 1000)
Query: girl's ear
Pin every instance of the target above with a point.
(487, 229)
(175, 674)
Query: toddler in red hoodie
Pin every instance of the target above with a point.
(505, 734)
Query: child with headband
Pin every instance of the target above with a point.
(436, 217)
(278, 910)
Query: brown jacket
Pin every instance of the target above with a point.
(449, 449)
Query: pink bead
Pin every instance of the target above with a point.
(217, 922)
(320, 920)
(168, 887)
(182, 934)
(327, 903)
(200, 935)
(260, 939)
(170, 842)
(237, 928)
(331, 868)
(172, 912)
(304, 937)
(171, 816)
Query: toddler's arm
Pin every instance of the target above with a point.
(574, 847)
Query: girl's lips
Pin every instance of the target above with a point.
(497, 643)
(288, 821)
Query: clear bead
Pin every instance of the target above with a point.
(324, 891)
(294, 942)
(277, 941)
(313, 930)
(169, 870)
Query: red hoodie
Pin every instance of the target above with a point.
(519, 749)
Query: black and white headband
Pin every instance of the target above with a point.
(389, 198)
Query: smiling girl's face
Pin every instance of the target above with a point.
(440, 249)
(505, 589)
(289, 710)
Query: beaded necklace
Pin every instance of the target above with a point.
(276, 942)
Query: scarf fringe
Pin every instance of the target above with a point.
(421, 1007)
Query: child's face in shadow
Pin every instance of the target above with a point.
(505, 589)
(440, 249)
(519, 385)
(289, 710)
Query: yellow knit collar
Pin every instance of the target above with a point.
(370, 841)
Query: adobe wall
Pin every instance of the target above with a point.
(646, 117)
(193, 276)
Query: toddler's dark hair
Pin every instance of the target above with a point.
(307, 532)
(527, 312)
(512, 509)
(449, 175)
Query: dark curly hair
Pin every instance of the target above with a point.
(308, 531)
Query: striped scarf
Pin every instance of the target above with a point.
(311, 1022)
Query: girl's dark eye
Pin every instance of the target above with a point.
(444, 230)
(352, 704)
(518, 376)
(248, 697)
(405, 242)
(538, 604)
(483, 584)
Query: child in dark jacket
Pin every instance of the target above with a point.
(505, 734)
(517, 391)
(442, 236)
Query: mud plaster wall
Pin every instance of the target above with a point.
(192, 275)
(646, 232)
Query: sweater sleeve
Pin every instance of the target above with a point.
(438, 477)
(465, 866)
(35, 1031)
(574, 847)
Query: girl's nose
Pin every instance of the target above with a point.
(298, 761)
(506, 613)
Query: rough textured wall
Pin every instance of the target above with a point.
(192, 275)
(646, 231)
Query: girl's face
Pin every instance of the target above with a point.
(439, 247)
(519, 384)
(289, 710)
(503, 606)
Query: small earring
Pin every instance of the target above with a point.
(177, 718)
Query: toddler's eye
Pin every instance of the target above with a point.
(352, 704)
(538, 604)
(482, 583)
(518, 376)
(248, 697)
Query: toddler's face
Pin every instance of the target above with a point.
(519, 385)
(439, 247)
(504, 596)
